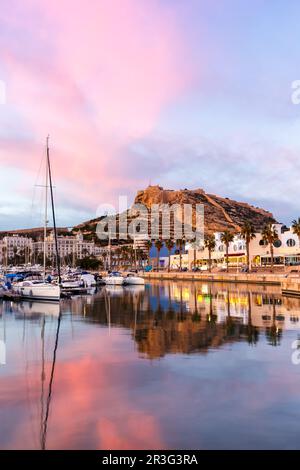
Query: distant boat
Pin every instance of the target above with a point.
(114, 279)
(35, 289)
(79, 280)
(133, 279)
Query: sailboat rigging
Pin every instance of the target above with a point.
(36, 289)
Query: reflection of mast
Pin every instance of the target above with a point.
(3, 343)
(135, 306)
(195, 301)
(43, 376)
(210, 303)
(48, 403)
(228, 304)
(107, 308)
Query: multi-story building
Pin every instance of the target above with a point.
(70, 247)
(286, 250)
(15, 248)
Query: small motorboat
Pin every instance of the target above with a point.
(134, 279)
(114, 291)
(88, 280)
(38, 290)
(114, 279)
(71, 282)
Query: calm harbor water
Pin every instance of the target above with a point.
(172, 365)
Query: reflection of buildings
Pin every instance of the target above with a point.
(181, 317)
(30, 310)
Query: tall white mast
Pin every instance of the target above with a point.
(46, 214)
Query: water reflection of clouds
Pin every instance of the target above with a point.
(163, 374)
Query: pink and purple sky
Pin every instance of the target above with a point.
(178, 93)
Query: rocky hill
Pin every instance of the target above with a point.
(34, 233)
(219, 213)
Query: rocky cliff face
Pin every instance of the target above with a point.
(219, 213)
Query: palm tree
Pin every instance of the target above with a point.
(270, 235)
(22, 256)
(131, 255)
(158, 245)
(248, 234)
(170, 245)
(118, 254)
(296, 228)
(180, 244)
(140, 256)
(4, 255)
(125, 255)
(210, 244)
(226, 238)
(15, 251)
(148, 246)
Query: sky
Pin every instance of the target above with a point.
(180, 93)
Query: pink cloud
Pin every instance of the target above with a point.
(95, 76)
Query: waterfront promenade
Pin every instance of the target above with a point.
(290, 284)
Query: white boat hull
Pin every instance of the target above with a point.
(39, 291)
(113, 280)
(71, 284)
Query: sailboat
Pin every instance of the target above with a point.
(36, 289)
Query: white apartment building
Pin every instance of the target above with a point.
(15, 245)
(286, 250)
(70, 247)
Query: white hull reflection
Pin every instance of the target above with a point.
(37, 308)
(114, 290)
(135, 289)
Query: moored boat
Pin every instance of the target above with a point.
(134, 279)
(38, 290)
(114, 279)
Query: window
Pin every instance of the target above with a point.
(290, 242)
(263, 243)
(277, 244)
